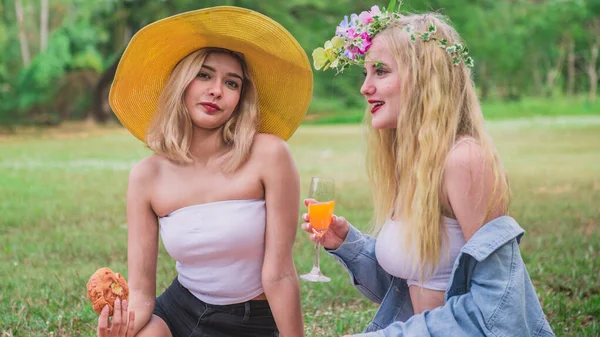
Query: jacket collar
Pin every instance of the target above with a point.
(492, 236)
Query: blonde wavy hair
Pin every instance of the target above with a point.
(170, 133)
(406, 164)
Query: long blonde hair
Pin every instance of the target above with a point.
(170, 133)
(406, 164)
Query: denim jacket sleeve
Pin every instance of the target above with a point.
(357, 255)
(499, 301)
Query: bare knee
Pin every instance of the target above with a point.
(156, 327)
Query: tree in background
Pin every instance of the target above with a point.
(59, 56)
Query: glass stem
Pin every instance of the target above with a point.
(316, 267)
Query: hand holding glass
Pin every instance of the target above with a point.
(323, 191)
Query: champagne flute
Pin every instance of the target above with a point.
(322, 190)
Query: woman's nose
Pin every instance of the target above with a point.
(367, 88)
(215, 90)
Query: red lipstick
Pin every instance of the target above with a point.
(376, 105)
(210, 107)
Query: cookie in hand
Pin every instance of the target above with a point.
(104, 287)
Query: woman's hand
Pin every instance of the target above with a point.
(334, 236)
(120, 326)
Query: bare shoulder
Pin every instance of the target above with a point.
(467, 157)
(269, 147)
(273, 157)
(146, 170)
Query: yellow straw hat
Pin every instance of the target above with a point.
(276, 61)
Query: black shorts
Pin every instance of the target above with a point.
(187, 316)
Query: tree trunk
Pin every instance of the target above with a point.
(591, 69)
(538, 81)
(101, 110)
(43, 25)
(571, 68)
(22, 35)
(593, 60)
(555, 70)
(483, 81)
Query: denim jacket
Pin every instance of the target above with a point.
(489, 292)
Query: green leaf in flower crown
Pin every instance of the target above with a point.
(451, 49)
(426, 36)
(455, 60)
(443, 43)
(432, 28)
(458, 46)
(392, 6)
(465, 51)
(469, 62)
(413, 38)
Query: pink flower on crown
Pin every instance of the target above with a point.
(365, 17)
(360, 44)
(351, 33)
(375, 10)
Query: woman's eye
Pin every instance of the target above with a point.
(203, 75)
(380, 72)
(232, 84)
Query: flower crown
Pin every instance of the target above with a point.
(353, 38)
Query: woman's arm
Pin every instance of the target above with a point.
(282, 195)
(142, 244)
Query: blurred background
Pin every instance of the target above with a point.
(59, 56)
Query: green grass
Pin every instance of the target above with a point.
(62, 201)
(327, 111)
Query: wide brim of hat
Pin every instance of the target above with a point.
(276, 61)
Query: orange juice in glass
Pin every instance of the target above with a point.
(320, 215)
(320, 212)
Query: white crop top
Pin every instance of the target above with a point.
(219, 249)
(397, 259)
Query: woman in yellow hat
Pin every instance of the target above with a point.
(215, 93)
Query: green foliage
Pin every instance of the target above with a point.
(36, 82)
(519, 46)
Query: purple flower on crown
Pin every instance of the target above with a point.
(346, 24)
(343, 27)
(348, 54)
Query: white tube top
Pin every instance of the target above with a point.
(219, 248)
(398, 260)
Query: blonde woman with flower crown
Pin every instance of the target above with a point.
(221, 188)
(445, 259)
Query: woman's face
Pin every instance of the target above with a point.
(212, 97)
(382, 85)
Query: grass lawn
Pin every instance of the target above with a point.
(62, 200)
